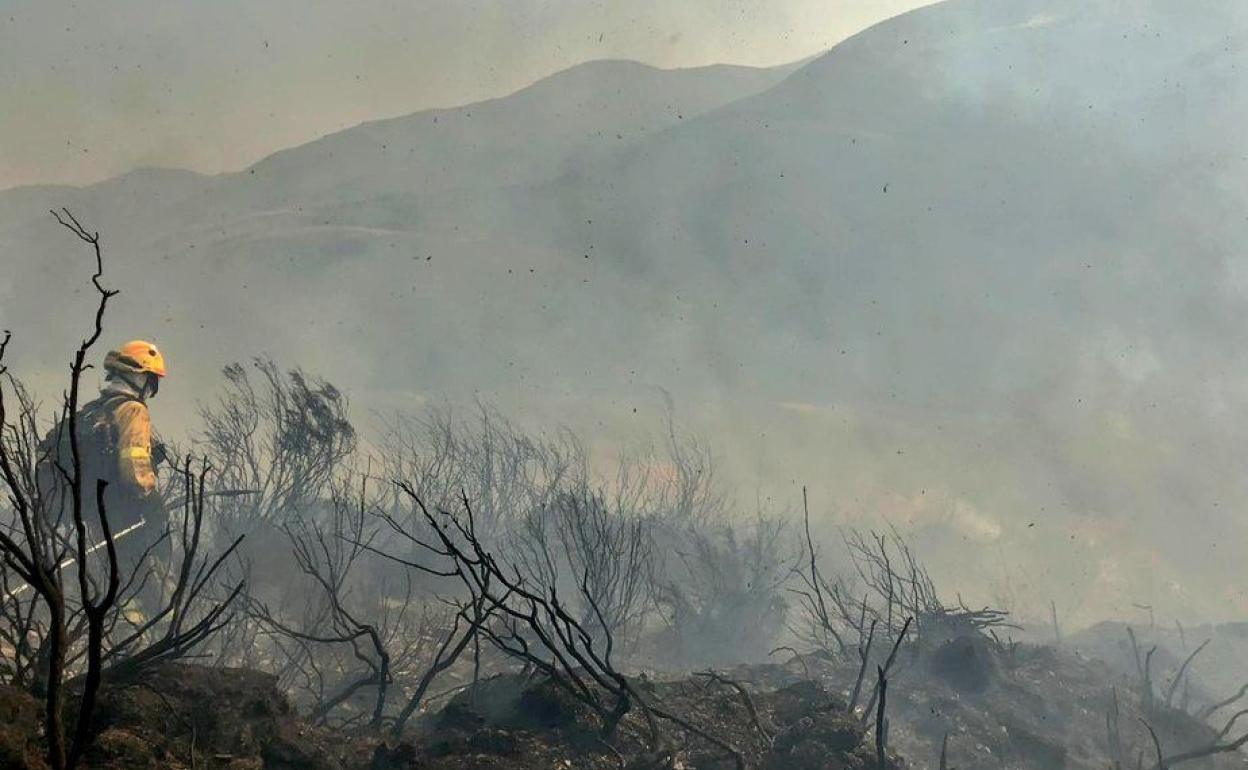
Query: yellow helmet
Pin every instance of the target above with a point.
(136, 356)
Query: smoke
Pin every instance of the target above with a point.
(989, 293)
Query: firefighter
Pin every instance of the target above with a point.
(115, 444)
(134, 371)
(133, 375)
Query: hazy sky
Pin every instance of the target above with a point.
(91, 90)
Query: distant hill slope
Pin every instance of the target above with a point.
(342, 200)
(979, 268)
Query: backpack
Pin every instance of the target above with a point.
(97, 448)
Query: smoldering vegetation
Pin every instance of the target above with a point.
(457, 590)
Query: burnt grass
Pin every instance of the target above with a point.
(1015, 706)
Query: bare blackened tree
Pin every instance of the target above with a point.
(348, 641)
(611, 548)
(61, 629)
(533, 625)
(24, 636)
(281, 443)
(883, 672)
(889, 569)
(525, 624)
(827, 611)
(284, 439)
(192, 611)
(34, 547)
(691, 496)
(721, 593)
(1144, 667)
(903, 591)
(508, 471)
(1154, 707)
(603, 549)
(562, 524)
(1219, 745)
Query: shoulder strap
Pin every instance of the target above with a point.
(97, 417)
(108, 403)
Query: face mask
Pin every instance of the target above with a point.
(152, 386)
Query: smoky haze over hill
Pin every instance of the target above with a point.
(977, 269)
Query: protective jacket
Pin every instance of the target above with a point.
(130, 429)
(114, 444)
